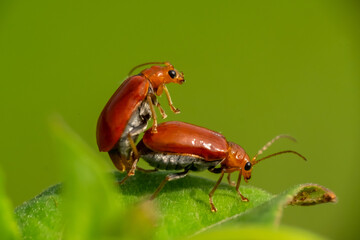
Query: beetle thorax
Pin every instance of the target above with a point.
(156, 75)
(235, 159)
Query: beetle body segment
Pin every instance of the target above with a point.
(185, 138)
(174, 161)
(136, 125)
(168, 161)
(118, 111)
(236, 160)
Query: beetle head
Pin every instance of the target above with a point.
(237, 160)
(159, 75)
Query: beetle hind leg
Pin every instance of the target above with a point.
(168, 178)
(134, 158)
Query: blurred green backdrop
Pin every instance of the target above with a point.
(253, 70)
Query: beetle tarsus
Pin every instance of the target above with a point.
(213, 208)
(154, 129)
(174, 109)
(244, 199)
(162, 111)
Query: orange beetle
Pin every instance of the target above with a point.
(129, 109)
(183, 146)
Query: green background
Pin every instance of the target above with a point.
(253, 70)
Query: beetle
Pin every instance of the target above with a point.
(130, 108)
(183, 146)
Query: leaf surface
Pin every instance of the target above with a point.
(92, 205)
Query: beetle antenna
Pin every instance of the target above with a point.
(268, 144)
(144, 64)
(254, 161)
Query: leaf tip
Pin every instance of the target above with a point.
(311, 194)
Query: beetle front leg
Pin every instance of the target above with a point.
(213, 208)
(153, 113)
(162, 112)
(174, 109)
(244, 199)
(169, 177)
(157, 104)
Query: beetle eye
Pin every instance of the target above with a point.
(247, 166)
(172, 73)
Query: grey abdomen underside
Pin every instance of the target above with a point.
(169, 161)
(136, 125)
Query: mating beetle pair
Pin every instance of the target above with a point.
(170, 145)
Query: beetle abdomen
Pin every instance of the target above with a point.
(169, 161)
(118, 111)
(136, 125)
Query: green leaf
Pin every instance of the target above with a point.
(186, 201)
(8, 227)
(257, 232)
(270, 212)
(91, 205)
(41, 217)
(88, 192)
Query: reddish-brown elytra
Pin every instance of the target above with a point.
(183, 146)
(129, 109)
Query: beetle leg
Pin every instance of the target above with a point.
(153, 113)
(213, 208)
(131, 172)
(169, 177)
(174, 109)
(244, 199)
(133, 147)
(162, 112)
(231, 183)
(147, 170)
(157, 104)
